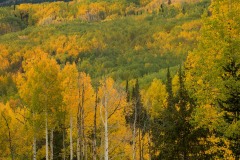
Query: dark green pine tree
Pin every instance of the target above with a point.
(162, 127)
(185, 105)
(127, 92)
(231, 101)
(142, 114)
(167, 125)
(169, 90)
(142, 119)
(179, 140)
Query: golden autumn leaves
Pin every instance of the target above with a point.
(65, 97)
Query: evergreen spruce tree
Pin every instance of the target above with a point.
(127, 91)
(169, 89)
(138, 117)
(178, 138)
(168, 123)
(185, 107)
(230, 103)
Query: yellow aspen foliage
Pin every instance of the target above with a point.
(119, 133)
(175, 85)
(214, 141)
(4, 58)
(88, 100)
(82, 10)
(69, 76)
(39, 88)
(155, 98)
(207, 116)
(13, 128)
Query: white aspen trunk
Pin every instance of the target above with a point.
(134, 133)
(34, 148)
(140, 148)
(149, 146)
(106, 127)
(101, 154)
(34, 140)
(82, 138)
(71, 140)
(82, 125)
(51, 144)
(46, 125)
(86, 156)
(78, 121)
(78, 149)
(149, 136)
(95, 129)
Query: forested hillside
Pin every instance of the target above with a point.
(124, 79)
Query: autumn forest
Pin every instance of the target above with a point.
(120, 80)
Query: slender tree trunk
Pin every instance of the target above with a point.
(34, 148)
(71, 140)
(106, 125)
(149, 146)
(102, 151)
(134, 133)
(34, 141)
(82, 125)
(95, 129)
(105, 121)
(64, 147)
(140, 148)
(149, 135)
(46, 130)
(86, 150)
(9, 138)
(51, 144)
(106, 137)
(79, 121)
(78, 148)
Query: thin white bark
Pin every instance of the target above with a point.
(105, 122)
(34, 141)
(78, 149)
(134, 132)
(34, 148)
(46, 125)
(106, 136)
(51, 144)
(78, 121)
(86, 155)
(82, 125)
(71, 140)
(140, 144)
(149, 146)
(95, 129)
(106, 125)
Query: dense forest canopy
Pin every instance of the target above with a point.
(122, 79)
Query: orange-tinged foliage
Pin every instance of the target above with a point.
(119, 133)
(4, 58)
(21, 142)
